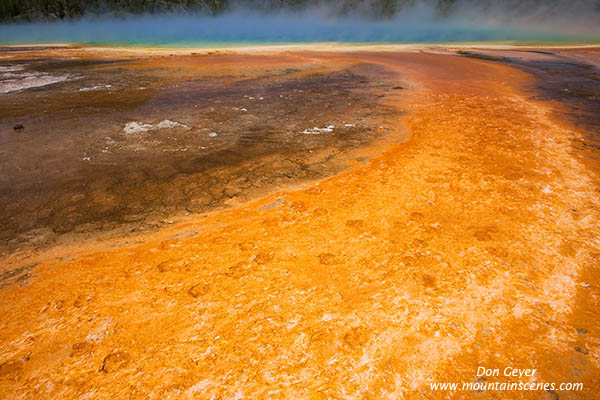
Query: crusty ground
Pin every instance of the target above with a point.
(237, 129)
(475, 243)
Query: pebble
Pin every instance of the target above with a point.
(114, 362)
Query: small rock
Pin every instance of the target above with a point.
(231, 191)
(552, 395)
(79, 301)
(245, 246)
(164, 266)
(416, 217)
(482, 236)
(213, 134)
(320, 212)
(581, 350)
(328, 259)
(198, 290)
(166, 124)
(18, 128)
(263, 258)
(238, 270)
(298, 206)
(114, 362)
(355, 223)
(136, 127)
(11, 369)
(271, 205)
(80, 349)
(428, 281)
(481, 380)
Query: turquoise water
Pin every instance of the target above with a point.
(237, 29)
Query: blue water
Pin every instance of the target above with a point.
(247, 29)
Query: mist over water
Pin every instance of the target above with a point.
(468, 21)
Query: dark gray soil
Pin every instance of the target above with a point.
(73, 168)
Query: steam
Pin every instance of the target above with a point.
(566, 17)
(463, 21)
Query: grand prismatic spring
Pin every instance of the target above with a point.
(317, 202)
